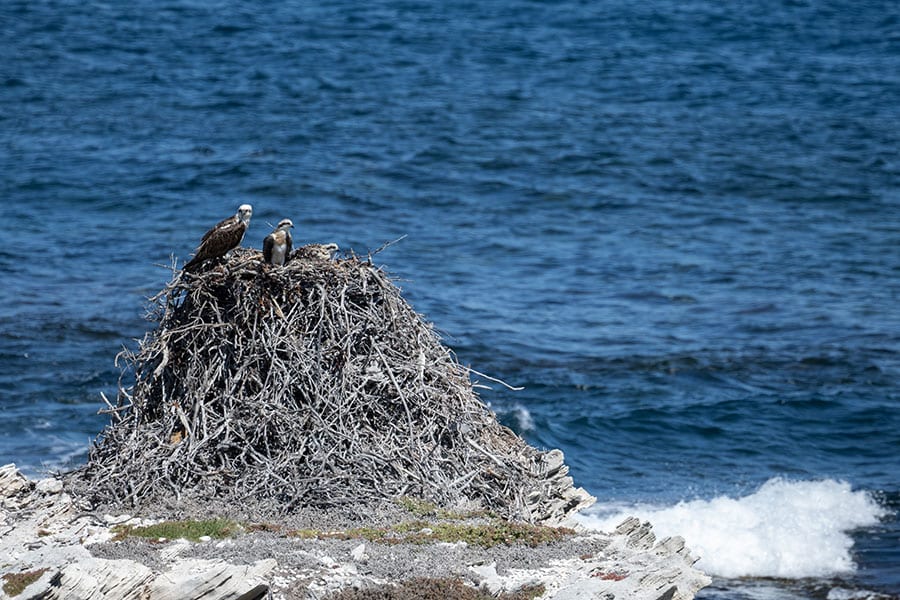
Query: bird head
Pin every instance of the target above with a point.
(327, 251)
(245, 211)
(284, 225)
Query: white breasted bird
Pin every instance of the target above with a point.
(277, 245)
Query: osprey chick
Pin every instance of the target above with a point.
(316, 252)
(277, 245)
(219, 240)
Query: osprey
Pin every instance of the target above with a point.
(315, 252)
(277, 245)
(227, 234)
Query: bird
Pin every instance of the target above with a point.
(315, 252)
(277, 245)
(226, 235)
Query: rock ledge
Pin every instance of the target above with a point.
(44, 531)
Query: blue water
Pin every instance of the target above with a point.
(676, 224)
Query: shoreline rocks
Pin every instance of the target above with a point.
(68, 550)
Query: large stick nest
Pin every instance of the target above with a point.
(309, 385)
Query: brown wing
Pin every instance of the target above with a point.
(223, 224)
(226, 235)
(268, 242)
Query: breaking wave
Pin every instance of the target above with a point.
(786, 529)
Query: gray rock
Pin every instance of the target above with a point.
(42, 528)
(49, 486)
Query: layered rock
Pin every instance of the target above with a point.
(69, 550)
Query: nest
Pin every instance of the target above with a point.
(314, 385)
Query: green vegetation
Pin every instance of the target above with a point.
(491, 534)
(189, 530)
(15, 583)
(417, 506)
(487, 533)
(420, 508)
(496, 532)
(425, 588)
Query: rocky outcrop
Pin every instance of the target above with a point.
(43, 530)
(559, 498)
(46, 533)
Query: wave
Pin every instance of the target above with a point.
(523, 419)
(785, 529)
(515, 416)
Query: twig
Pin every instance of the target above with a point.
(495, 380)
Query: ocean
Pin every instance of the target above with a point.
(674, 224)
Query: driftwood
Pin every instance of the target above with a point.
(315, 385)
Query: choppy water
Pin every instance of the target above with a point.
(675, 223)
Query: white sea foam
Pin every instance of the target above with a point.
(523, 418)
(789, 529)
(517, 415)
